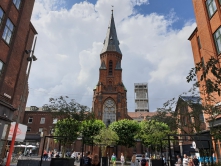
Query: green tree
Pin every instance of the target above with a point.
(166, 116)
(153, 132)
(127, 131)
(90, 128)
(68, 129)
(106, 137)
(63, 108)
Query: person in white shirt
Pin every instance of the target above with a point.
(74, 155)
(185, 160)
(122, 160)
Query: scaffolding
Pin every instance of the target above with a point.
(141, 97)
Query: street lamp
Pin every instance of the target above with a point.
(82, 149)
(31, 58)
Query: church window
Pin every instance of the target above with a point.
(109, 112)
(110, 67)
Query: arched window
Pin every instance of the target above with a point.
(109, 112)
(110, 67)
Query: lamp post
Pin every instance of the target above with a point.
(31, 58)
(82, 149)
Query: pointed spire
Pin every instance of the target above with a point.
(111, 42)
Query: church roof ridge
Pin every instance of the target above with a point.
(111, 42)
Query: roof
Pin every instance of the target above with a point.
(192, 99)
(139, 114)
(193, 33)
(111, 42)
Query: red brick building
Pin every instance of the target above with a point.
(17, 33)
(206, 43)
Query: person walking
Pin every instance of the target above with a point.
(45, 155)
(122, 160)
(134, 162)
(87, 159)
(95, 160)
(143, 161)
(196, 161)
(191, 163)
(179, 161)
(185, 160)
(30, 152)
(113, 159)
(49, 155)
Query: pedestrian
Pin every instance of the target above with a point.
(196, 161)
(95, 160)
(134, 162)
(30, 152)
(179, 161)
(191, 163)
(113, 159)
(74, 155)
(122, 160)
(87, 159)
(185, 160)
(45, 155)
(27, 152)
(49, 155)
(143, 161)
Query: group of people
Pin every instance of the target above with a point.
(90, 160)
(187, 161)
(50, 154)
(28, 152)
(134, 162)
(114, 159)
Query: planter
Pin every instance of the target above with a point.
(157, 162)
(104, 161)
(32, 163)
(62, 162)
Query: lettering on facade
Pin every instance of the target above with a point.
(8, 96)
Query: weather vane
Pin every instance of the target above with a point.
(112, 8)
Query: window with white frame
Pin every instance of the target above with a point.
(42, 121)
(17, 3)
(217, 39)
(8, 31)
(211, 7)
(40, 130)
(55, 120)
(1, 15)
(30, 120)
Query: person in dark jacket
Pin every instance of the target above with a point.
(196, 161)
(87, 160)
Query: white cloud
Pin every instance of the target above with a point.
(70, 41)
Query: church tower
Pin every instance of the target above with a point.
(110, 99)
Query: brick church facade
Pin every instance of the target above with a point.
(110, 94)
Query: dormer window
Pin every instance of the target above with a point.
(110, 68)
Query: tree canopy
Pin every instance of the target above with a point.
(91, 128)
(153, 132)
(68, 109)
(126, 130)
(106, 137)
(68, 129)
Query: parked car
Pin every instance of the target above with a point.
(139, 157)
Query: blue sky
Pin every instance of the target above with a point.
(182, 8)
(153, 41)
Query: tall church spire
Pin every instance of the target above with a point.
(111, 42)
